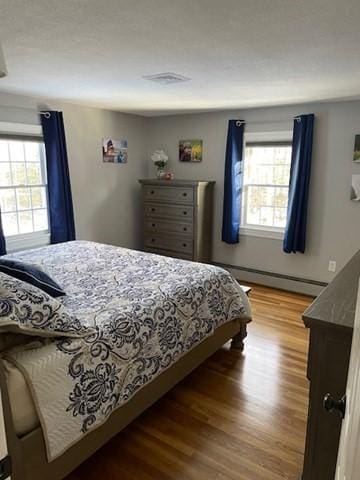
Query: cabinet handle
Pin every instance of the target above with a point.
(153, 209)
(153, 225)
(152, 192)
(153, 240)
(184, 245)
(185, 212)
(184, 194)
(185, 229)
(331, 405)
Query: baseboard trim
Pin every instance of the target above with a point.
(276, 280)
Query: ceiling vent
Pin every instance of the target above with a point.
(166, 78)
(3, 71)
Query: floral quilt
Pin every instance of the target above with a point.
(142, 312)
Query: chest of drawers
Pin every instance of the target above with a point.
(330, 319)
(177, 218)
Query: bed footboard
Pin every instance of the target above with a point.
(28, 453)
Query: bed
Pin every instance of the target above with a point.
(146, 321)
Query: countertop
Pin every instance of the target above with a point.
(337, 302)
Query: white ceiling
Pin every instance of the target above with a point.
(238, 53)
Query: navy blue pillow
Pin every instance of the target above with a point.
(31, 274)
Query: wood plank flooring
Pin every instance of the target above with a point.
(237, 417)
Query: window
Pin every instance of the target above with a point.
(266, 186)
(23, 187)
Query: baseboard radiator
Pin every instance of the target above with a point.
(276, 280)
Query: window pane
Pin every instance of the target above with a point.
(280, 217)
(9, 223)
(34, 173)
(7, 200)
(4, 151)
(253, 215)
(38, 197)
(40, 220)
(5, 175)
(281, 197)
(261, 196)
(267, 216)
(265, 174)
(266, 180)
(25, 222)
(22, 167)
(32, 151)
(281, 175)
(18, 173)
(16, 151)
(23, 198)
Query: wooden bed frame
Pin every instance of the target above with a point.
(28, 455)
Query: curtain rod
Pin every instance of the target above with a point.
(244, 122)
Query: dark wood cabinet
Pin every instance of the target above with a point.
(330, 319)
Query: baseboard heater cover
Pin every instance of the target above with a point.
(282, 276)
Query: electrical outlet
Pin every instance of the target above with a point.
(332, 266)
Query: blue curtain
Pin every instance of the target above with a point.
(295, 230)
(233, 182)
(62, 228)
(2, 239)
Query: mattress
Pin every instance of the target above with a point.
(24, 413)
(145, 312)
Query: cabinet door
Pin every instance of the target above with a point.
(329, 361)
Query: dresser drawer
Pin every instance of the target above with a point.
(183, 195)
(168, 242)
(168, 253)
(169, 211)
(154, 225)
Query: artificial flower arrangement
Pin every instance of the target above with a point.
(160, 160)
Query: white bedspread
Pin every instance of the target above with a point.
(146, 311)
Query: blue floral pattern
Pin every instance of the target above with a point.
(142, 312)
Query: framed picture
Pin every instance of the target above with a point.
(357, 149)
(190, 150)
(114, 151)
(355, 188)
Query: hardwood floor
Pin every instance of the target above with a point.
(238, 416)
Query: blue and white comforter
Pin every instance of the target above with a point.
(144, 311)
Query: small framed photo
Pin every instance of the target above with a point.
(114, 151)
(190, 150)
(356, 157)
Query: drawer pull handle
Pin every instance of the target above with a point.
(332, 405)
(185, 229)
(153, 225)
(152, 192)
(184, 194)
(185, 212)
(184, 245)
(153, 209)
(153, 240)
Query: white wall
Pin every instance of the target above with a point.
(334, 221)
(105, 196)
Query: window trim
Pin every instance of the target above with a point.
(253, 139)
(25, 132)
